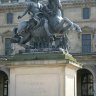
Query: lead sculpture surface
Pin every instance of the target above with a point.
(47, 27)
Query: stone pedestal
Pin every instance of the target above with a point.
(43, 78)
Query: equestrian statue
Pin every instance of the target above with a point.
(46, 21)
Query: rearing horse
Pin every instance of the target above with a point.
(56, 24)
(56, 20)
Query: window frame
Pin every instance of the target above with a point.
(86, 10)
(87, 45)
(8, 47)
(9, 18)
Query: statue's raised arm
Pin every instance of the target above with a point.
(25, 12)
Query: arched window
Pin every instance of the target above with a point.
(3, 84)
(85, 83)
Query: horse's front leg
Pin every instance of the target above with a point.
(59, 27)
(77, 27)
(65, 28)
(69, 22)
(25, 39)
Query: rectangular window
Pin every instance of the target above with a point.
(9, 18)
(86, 43)
(86, 13)
(8, 1)
(8, 48)
(4, 1)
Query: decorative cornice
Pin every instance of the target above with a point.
(7, 33)
(8, 25)
(12, 7)
(87, 57)
(79, 3)
(85, 21)
(87, 29)
(66, 4)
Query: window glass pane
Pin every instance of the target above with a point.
(8, 48)
(86, 36)
(5, 91)
(86, 13)
(9, 18)
(90, 89)
(90, 78)
(84, 89)
(86, 43)
(84, 78)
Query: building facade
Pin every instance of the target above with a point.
(82, 45)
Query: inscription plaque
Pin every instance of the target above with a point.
(37, 85)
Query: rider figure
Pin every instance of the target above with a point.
(34, 9)
(54, 5)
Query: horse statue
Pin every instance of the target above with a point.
(44, 24)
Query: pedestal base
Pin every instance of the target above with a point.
(43, 78)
